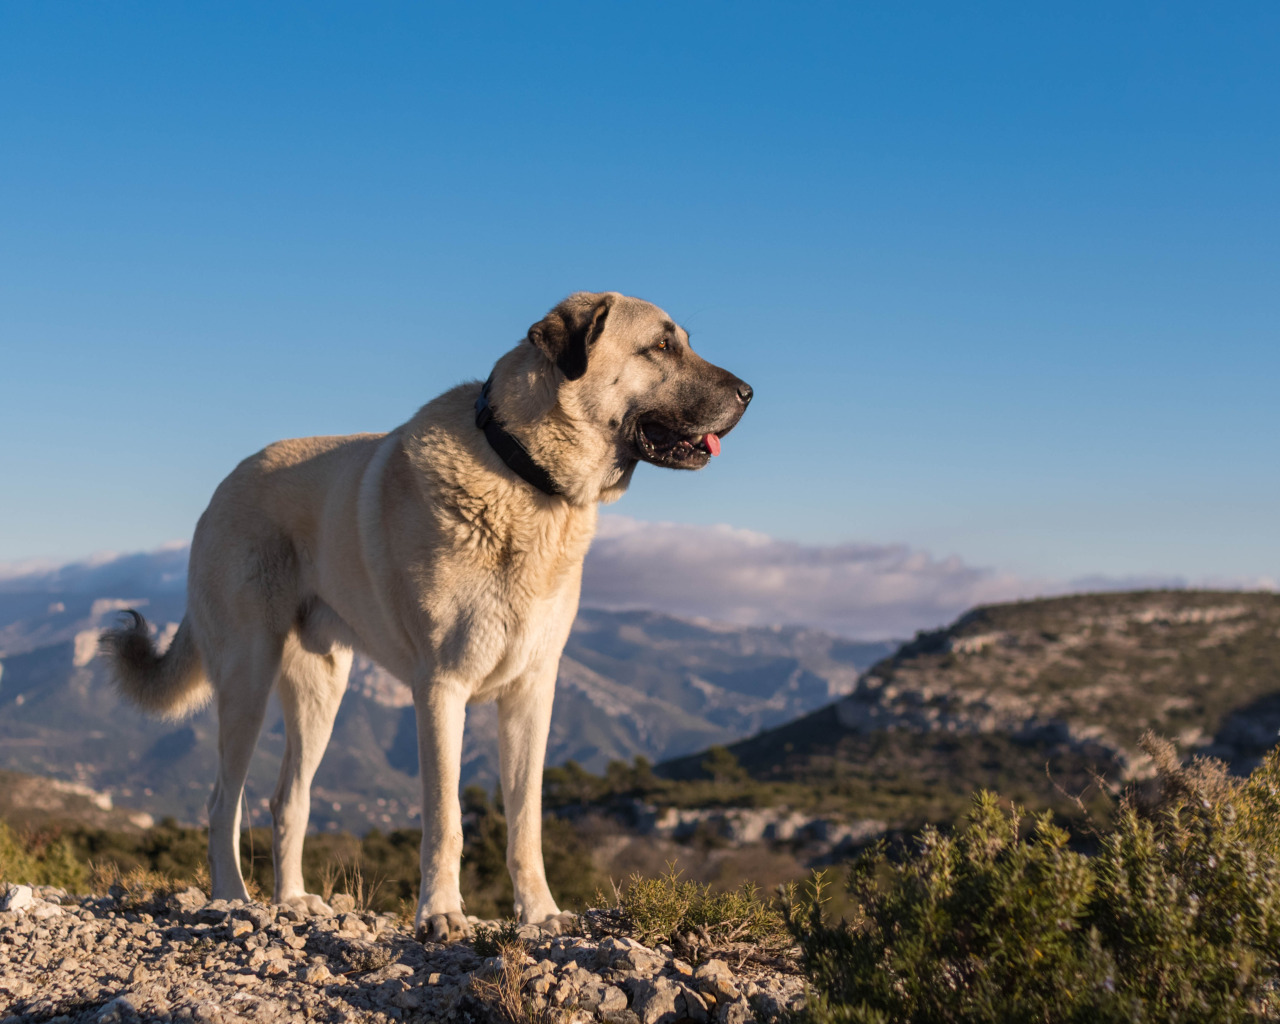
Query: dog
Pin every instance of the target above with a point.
(449, 551)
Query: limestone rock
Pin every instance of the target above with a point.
(657, 1000)
(16, 897)
(715, 977)
(342, 903)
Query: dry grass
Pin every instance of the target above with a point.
(136, 889)
(503, 991)
(348, 877)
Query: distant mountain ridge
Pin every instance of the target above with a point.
(631, 684)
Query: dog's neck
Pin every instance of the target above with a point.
(582, 460)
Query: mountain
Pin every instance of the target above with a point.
(1032, 699)
(631, 684)
(32, 801)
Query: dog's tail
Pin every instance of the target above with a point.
(172, 684)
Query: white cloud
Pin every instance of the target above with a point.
(867, 591)
(164, 568)
(748, 578)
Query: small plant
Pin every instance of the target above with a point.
(363, 958)
(200, 949)
(691, 915)
(492, 941)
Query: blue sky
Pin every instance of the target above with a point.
(1005, 278)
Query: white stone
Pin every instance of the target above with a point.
(16, 897)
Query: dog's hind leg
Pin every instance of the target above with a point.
(311, 688)
(244, 676)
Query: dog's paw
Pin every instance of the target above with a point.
(443, 928)
(311, 904)
(566, 923)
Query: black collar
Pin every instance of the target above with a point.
(509, 450)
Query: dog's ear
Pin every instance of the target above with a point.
(566, 334)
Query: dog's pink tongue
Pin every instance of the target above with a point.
(713, 444)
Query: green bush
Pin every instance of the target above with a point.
(1175, 918)
(690, 915)
(40, 859)
(16, 864)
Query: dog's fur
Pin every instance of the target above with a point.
(424, 550)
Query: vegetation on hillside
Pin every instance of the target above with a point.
(1175, 918)
(384, 865)
(900, 778)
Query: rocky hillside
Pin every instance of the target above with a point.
(1068, 684)
(1092, 671)
(127, 957)
(631, 684)
(30, 802)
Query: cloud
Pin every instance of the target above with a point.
(163, 569)
(747, 578)
(864, 591)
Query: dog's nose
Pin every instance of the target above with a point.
(744, 393)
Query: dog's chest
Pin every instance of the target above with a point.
(514, 615)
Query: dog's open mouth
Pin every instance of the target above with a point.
(666, 446)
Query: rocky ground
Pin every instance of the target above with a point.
(180, 957)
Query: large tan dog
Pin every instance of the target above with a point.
(450, 551)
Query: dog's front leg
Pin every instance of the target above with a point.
(524, 719)
(441, 712)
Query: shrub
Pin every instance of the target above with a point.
(1175, 918)
(722, 766)
(690, 915)
(492, 941)
(16, 864)
(40, 859)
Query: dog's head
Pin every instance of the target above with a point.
(627, 369)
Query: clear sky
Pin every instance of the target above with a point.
(1006, 278)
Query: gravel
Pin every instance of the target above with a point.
(74, 960)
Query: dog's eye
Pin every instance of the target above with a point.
(663, 345)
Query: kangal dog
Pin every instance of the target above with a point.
(450, 551)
